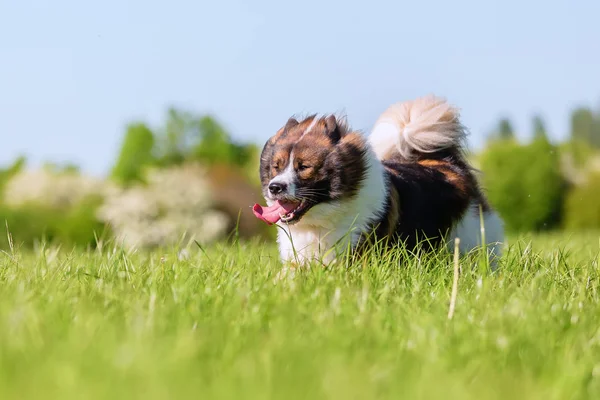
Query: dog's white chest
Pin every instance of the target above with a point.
(299, 245)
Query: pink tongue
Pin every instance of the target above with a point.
(271, 214)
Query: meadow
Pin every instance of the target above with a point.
(214, 323)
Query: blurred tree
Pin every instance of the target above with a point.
(181, 130)
(595, 140)
(190, 137)
(505, 129)
(213, 144)
(582, 125)
(545, 183)
(582, 205)
(524, 183)
(56, 168)
(136, 153)
(539, 128)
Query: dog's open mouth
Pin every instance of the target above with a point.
(284, 211)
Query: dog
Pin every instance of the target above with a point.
(330, 188)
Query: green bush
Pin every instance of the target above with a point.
(582, 205)
(136, 153)
(524, 183)
(33, 223)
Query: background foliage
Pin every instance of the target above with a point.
(535, 185)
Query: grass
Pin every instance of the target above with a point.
(107, 324)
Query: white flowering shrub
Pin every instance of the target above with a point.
(174, 204)
(50, 189)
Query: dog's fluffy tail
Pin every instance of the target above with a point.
(413, 128)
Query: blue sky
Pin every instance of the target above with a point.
(73, 73)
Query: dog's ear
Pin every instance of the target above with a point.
(333, 130)
(292, 122)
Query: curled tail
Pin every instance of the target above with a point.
(417, 127)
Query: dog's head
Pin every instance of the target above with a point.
(309, 163)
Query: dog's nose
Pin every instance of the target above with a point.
(276, 187)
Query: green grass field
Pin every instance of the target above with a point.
(105, 324)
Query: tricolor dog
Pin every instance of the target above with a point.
(329, 187)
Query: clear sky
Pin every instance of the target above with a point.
(73, 73)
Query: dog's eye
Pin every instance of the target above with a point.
(303, 167)
(276, 167)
